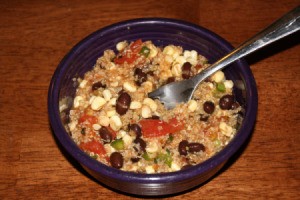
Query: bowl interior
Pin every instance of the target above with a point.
(162, 32)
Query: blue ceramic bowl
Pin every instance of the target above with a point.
(82, 58)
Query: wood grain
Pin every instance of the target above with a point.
(34, 37)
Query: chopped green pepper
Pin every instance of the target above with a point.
(146, 156)
(221, 87)
(165, 158)
(118, 144)
(217, 143)
(94, 156)
(145, 51)
(170, 138)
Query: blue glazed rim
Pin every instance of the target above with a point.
(179, 176)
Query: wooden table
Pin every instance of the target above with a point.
(34, 37)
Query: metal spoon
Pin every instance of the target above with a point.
(182, 91)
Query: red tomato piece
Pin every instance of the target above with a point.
(89, 118)
(93, 146)
(156, 128)
(131, 54)
(136, 46)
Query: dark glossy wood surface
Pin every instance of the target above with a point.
(34, 37)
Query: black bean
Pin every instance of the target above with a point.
(151, 73)
(203, 118)
(65, 117)
(105, 135)
(235, 105)
(123, 103)
(141, 145)
(135, 159)
(183, 147)
(140, 76)
(83, 131)
(170, 80)
(186, 70)
(136, 129)
(209, 107)
(98, 85)
(121, 91)
(116, 160)
(195, 147)
(226, 102)
(153, 117)
(186, 166)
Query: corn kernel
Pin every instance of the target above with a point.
(175, 166)
(72, 125)
(135, 105)
(151, 103)
(228, 84)
(176, 70)
(169, 50)
(109, 149)
(225, 129)
(210, 85)
(150, 170)
(148, 86)
(153, 51)
(218, 77)
(77, 101)
(187, 54)
(98, 103)
(192, 105)
(111, 113)
(103, 120)
(115, 122)
(114, 84)
(121, 134)
(96, 127)
(146, 111)
(168, 59)
(91, 99)
(121, 45)
(180, 60)
(112, 101)
(191, 56)
(107, 94)
(83, 83)
(129, 87)
(62, 107)
(152, 147)
(172, 50)
(127, 140)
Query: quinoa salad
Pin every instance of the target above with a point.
(114, 121)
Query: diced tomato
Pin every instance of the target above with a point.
(93, 146)
(156, 128)
(89, 118)
(136, 46)
(198, 67)
(131, 54)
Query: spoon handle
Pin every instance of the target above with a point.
(284, 26)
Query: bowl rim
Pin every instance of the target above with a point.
(178, 176)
